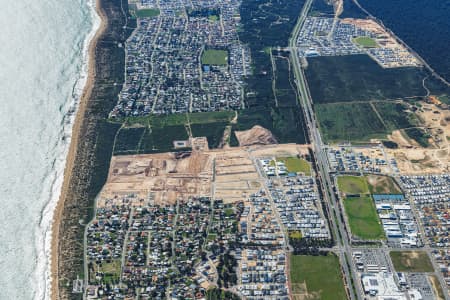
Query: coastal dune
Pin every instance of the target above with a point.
(95, 103)
(75, 140)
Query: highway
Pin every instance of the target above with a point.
(343, 240)
(341, 236)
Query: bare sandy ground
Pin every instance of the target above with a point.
(414, 159)
(72, 153)
(257, 135)
(228, 174)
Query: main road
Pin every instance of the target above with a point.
(340, 233)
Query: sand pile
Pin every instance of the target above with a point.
(257, 135)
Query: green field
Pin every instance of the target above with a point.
(295, 234)
(215, 57)
(411, 261)
(321, 274)
(396, 115)
(363, 218)
(179, 119)
(161, 139)
(359, 78)
(211, 237)
(362, 121)
(152, 133)
(382, 185)
(283, 123)
(147, 13)
(213, 18)
(211, 117)
(349, 122)
(294, 164)
(111, 271)
(360, 210)
(365, 41)
(353, 185)
(127, 140)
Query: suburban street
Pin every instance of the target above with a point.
(216, 191)
(343, 239)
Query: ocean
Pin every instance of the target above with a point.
(43, 64)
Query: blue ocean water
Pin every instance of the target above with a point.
(42, 72)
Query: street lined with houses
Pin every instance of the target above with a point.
(243, 221)
(185, 58)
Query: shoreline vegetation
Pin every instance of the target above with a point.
(88, 158)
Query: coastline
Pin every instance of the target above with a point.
(71, 155)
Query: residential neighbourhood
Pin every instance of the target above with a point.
(136, 248)
(183, 248)
(348, 158)
(233, 220)
(186, 58)
(431, 196)
(323, 36)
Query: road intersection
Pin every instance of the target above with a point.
(343, 246)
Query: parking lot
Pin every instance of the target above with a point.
(380, 281)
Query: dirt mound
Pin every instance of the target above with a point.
(257, 135)
(398, 138)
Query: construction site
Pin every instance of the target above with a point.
(162, 178)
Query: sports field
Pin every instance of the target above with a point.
(353, 185)
(213, 18)
(411, 261)
(294, 164)
(365, 41)
(316, 277)
(214, 57)
(147, 13)
(363, 218)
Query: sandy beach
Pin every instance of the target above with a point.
(75, 140)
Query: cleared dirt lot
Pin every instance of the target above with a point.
(420, 161)
(228, 174)
(413, 159)
(161, 177)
